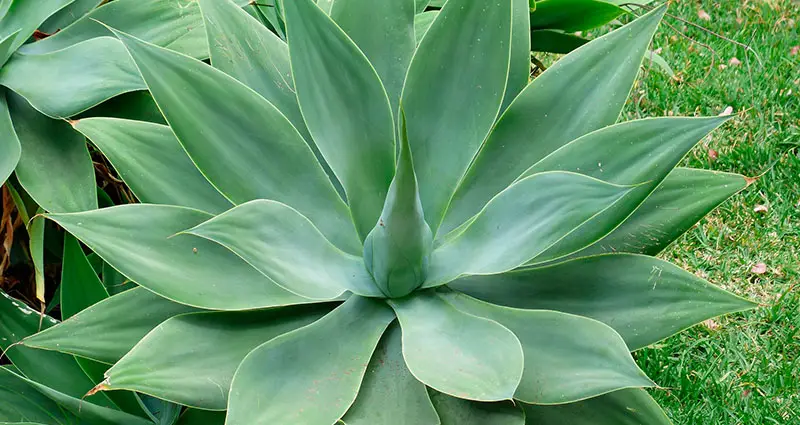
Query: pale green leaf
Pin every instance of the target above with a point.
(422, 23)
(643, 298)
(345, 107)
(241, 127)
(152, 163)
(389, 394)
(456, 411)
(141, 242)
(582, 92)
(22, 18)
(457, 353)
(68, 15)
(311, 375)
(519, 70)
(626, 407)
(453, 93)
(285, 246)
(567, 357)
(190, 359)
(9, 143)
(521, 223)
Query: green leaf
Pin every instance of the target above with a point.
(557, 107)
(457, 353)
(52, 148)
(685, 196)
(9, 143)
(520, 223)
(653, 58)
(456, 411)
(310, 375)
(22, 18)
(389, 393)
(68, 15)
(567, 358)
(633, 152)
(201, 417)
(573, 15)
(161, 412)
(165, 363)
(66, 82)
(246, 50)
(626, 407)
(519, 71)
(80, 286)
(25, 400)
(397, 250)
(384, 31)
(420, 6)
(55, 370)
(453, 92)
(355, 134)
(36, 249)
(241, 126)
(140, 241)
(175, 24)
(7, 45)
(135, 106)
(123, 320)
(422, 23)
(553, 41)
(114, 281)
(152, 162)
(643, 298)
(285, 246)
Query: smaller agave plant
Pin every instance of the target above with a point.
(353, 228)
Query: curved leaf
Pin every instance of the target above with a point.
(453, 92)
(52, 148)
(626, 407)
(389, 393)
(68, 15)
(422, 23)
(285, 246)
(66, 82)
(573, 15)
(201, 417)
(643, 298)
(345, 107)
(457, 353)
(557, 107)
(243, 128)
(152, 162)
(166, 363)
(685, 196)
(519, 70)
(21, 18)
(384, 31)
(121, 320)
(310, 375)
(140, 241)
(567, 358)
(80, 286)
(456, 411)
(553, 41)
(9, 143)
(520, 223)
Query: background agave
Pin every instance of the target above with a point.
(303, 197)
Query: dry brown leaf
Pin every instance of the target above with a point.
(759, 268)
(761, 208)
(703, 15)
(711, 324)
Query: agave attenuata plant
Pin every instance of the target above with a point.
(365, 234)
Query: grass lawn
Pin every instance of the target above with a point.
(745, 368)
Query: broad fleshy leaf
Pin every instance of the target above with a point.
(66, 82)
(456, 411)
(345, 107)
(633, 152)
(241, 127)
(24, 400)
(567, 358)
(105, 331)
(521, 223)
(285, 246)
(626, 407)
(80, 286)
(191, 358)
(310, 375)
(685, 196)
(423, 22)
(397, 250)
(519, 70)
(389, 393)
(52, 148)
(457, 353)
(384, 31)
(68, 15)
(201, 417)
(9, 143)
(152, 162)
(453, 93)
(582, 92)
(553, 41)
(22, 18)
(141, 241)
(643, 298)
(573, 15)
